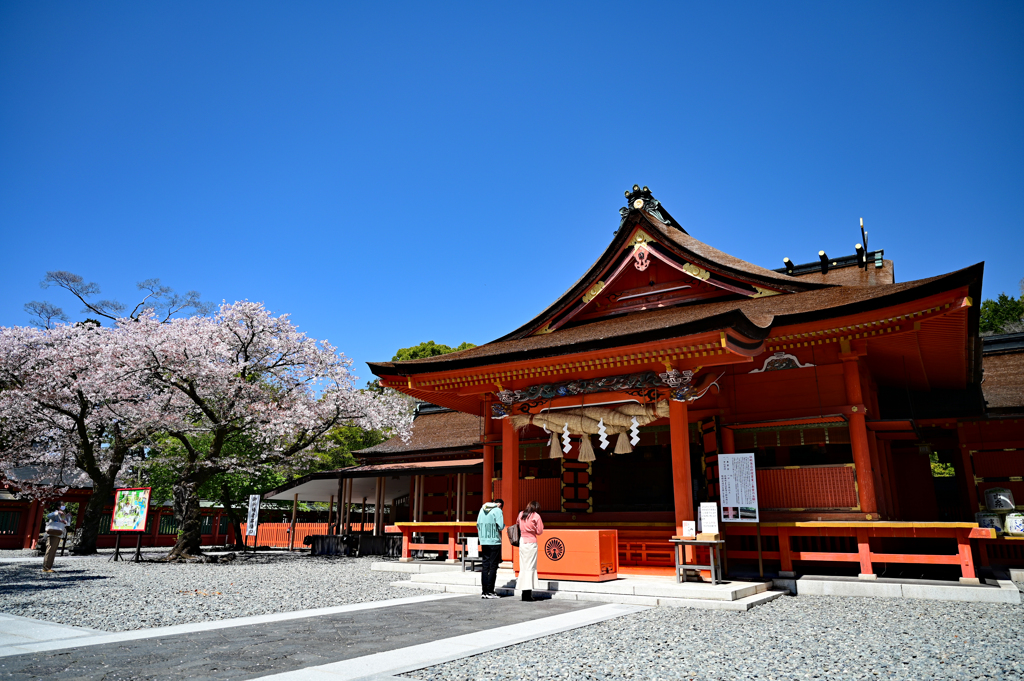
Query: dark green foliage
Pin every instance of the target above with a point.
(428, 349)
(335, 451)
(998, 314)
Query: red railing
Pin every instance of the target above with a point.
(275, 535)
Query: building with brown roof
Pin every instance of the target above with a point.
(614, 404)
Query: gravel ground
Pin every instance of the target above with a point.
(121, 596)
(807, 637)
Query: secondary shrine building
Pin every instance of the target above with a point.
(611, 406)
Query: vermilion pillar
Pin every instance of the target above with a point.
(728, 441)
(510, 470)
(682, 485)
(488, 472)
(859, 434)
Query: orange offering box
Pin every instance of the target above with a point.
(577, 555)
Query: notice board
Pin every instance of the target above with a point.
(738, 480)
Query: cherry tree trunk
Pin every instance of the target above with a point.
(102, 488)
(189, 516)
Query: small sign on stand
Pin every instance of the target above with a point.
(252, 520)
(709, 518)
(131, 510)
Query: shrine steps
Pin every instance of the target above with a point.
(650, 591)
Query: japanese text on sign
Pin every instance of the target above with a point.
(253, 519)
(737, 478)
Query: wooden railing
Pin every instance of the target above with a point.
(275, 535)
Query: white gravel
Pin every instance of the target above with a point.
(98, 594)
(806, 637)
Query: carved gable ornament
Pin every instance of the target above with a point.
(781, 361)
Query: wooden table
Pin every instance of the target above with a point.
(451, 528)
(716, 558)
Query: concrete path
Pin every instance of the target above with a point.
(17, 632)
(369, 640)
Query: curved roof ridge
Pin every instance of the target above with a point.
(752, 316)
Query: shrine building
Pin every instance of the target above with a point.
(611, 406)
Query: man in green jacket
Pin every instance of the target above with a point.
(489, 524)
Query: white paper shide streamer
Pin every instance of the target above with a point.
(602, 434)
(566, 442)
(634, 433)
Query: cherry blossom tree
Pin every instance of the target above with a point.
(72, 411)
(245, 390)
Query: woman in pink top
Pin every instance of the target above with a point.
(530, 527)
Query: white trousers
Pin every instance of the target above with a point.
(527, 580)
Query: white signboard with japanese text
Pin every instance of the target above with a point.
(737, 479)
(252, 521)
(709, 517)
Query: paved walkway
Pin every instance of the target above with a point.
(348, 642)
(17, 632)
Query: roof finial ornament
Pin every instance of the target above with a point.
(640, 199)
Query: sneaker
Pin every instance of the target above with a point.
(47, 570)
(492, 595)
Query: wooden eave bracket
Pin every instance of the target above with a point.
(851, 337)
(478, 381)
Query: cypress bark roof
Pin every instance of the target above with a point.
(752, 317)
(433, 432)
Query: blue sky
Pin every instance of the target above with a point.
(393, 173)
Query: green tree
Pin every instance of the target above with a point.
(428, 349)
(335, 449)
(939, 469)
(1002, 315)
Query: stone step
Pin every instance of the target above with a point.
(994, 591)
(414, 568)
(624, 586)
(738, 605)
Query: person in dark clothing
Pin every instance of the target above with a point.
(489, 524)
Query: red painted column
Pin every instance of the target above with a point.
(509, 480)
(859, 435)
(864, 553)
(785, 556)
(728, 441)
(28, 535)
(488, 472)
(881, 476)
(510, 470)
(966, 558)
(682, 484)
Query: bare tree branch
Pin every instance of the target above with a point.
(46, 312)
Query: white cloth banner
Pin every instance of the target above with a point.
(252, 521)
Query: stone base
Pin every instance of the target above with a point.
(864, 576)
(970, 580)
(1004, 591)
(405, 560)
(787, 574)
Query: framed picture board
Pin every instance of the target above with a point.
(131, 507)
